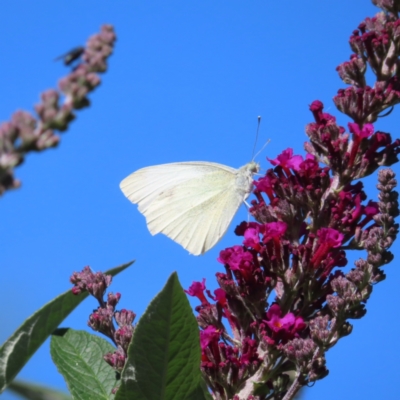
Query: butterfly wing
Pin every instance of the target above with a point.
(192, 203)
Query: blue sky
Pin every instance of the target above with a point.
(186, 82)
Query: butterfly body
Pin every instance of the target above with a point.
(71, 56)
(193, 203)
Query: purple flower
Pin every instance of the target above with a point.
(283, 328)
(330, 237)
(208, 335)
(366, 131)
(196, 289)
(252, 237)
(220, 296)
(358, 135)
(265, 184)
(287, 160)
(273, 230)
(309, 167)
(235, 257)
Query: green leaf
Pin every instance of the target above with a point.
(23, 343)
(164, 356)
(78, 356)
(33, 391)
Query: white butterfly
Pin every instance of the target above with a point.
(193, 203)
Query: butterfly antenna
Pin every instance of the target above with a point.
(262, 148)
(255, 142)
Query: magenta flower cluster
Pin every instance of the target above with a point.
(26, 133)
(285, 297)
(102, 319)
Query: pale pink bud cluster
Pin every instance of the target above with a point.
(102, 319)
(26, 133)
